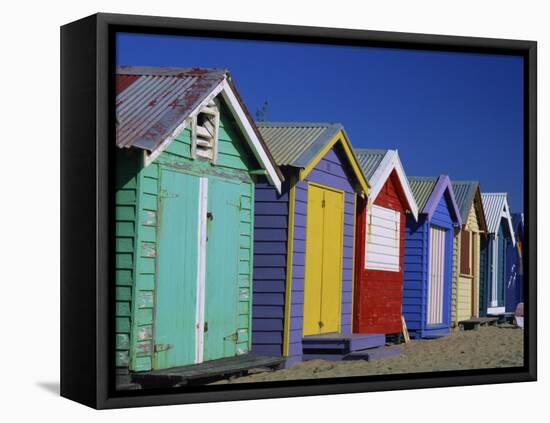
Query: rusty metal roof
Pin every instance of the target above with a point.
(369, 159)
(422, 187)
(152, 102)
(296, 143)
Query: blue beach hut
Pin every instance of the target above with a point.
(427, 281)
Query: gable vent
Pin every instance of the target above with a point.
(205, 132)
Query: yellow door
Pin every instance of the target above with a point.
(323, 272)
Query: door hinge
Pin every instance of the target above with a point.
(323, 203)
(206, 326)
(321, 324)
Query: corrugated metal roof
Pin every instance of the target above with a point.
(465, 192)
(421, 188)
(295, 143)
(493, 204)
(369, 160)
(153, 102)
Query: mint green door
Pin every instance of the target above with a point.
(222, 268)
(175, 317)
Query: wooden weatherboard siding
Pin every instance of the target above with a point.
(416, 277)
(378, 293)
(270, 261)
(465, 302)
(271, 255)
(138, 233)
(126, 200)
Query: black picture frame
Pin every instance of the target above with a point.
(87, 102)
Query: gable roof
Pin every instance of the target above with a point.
(496, 208)
(466, 194)
(377, 166)
(422, 187)
(154, 104)
(429, 190)
(295, 143)
(302, 144)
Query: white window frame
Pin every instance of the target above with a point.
(384, 241)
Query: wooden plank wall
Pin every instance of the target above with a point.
(415, 275)
(462, 286)
(378, 295)
(270, 255)
(126, 189)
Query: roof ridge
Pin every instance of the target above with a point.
(464, 182)
(168, 71)
(300, 124)
(378, 150)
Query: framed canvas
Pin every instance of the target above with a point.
(260, 211)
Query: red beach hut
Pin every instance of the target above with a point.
(380, 233)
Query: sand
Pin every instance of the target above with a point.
(488, 347)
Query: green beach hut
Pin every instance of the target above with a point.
(186, 161)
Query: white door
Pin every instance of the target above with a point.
(436, 276)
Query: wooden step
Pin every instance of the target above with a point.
(336, 343)
(474, 324)
(221, 368)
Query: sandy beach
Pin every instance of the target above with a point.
(488, 347)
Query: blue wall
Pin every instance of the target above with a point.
(415, 279)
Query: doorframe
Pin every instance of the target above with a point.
(328, 188)
(445, 313)
(201, 269)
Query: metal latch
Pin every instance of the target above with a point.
(163, 347)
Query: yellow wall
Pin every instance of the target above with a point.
(462, 285)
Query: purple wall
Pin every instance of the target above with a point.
(269, 277)
(270, 232)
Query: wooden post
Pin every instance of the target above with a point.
(405, 331)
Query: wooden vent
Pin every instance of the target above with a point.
(205, 132)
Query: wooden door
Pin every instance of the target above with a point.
(436, 276)
(323, 271)
(222, 268)
(175, 329)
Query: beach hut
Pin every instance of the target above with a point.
(467, 245)
(514, 262)
(187, 159)
(493, 253)
(427, 280)
(380, 238)
(303, 243)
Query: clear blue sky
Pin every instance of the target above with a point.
(436, 108)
